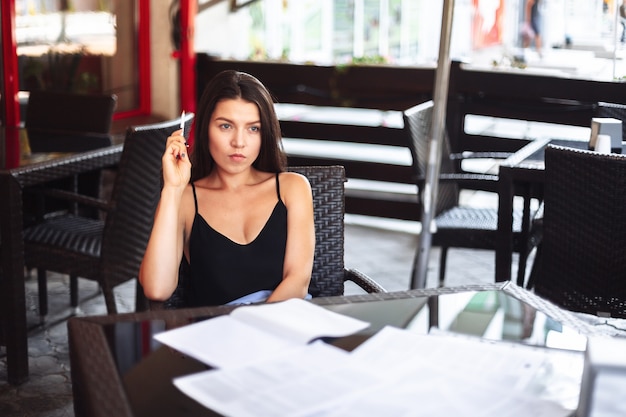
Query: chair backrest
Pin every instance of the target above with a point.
(616, 111)
(584, 241)
(417, 124)
(134, 198)
(327, 185)
(68, 122)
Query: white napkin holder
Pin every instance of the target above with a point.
(606, 126)
(603, 385)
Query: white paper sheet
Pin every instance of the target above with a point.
(253, 333)
(395, 373)
(302, 381)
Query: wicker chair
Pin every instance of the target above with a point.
(457, 226)
(68, 122)
(582, 262)
(108, 251)
(329, 273)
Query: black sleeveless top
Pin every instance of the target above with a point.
(222, 270)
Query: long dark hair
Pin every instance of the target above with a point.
(231, 84)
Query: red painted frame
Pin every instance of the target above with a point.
(10, 83)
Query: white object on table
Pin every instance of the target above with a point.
(603, 144)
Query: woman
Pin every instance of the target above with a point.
(243, 224)
(533, 20)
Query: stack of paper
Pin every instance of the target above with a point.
(267, 368)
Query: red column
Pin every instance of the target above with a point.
(10, 85)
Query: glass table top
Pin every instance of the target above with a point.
(147, 367)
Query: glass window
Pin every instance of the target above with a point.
(577, 38)
(86, 46)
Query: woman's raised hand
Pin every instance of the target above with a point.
(176, 164)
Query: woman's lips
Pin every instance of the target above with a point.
(237, 157)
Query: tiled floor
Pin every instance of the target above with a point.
(383, 250)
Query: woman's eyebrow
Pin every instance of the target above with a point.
(226, 119)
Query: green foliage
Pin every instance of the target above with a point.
(369, 60)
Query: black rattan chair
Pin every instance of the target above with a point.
(581, 265)
(329, 272)
(108, 251)
(458, 226)
(68, 122)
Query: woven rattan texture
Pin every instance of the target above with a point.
(584, 258)
(67, 166)
(96, 385)
(70, 244)
(327, 184)
(457, 226)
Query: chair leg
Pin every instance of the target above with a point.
(525, 236)
(42, 287)
(141, 302)
(109, 298)
(521, 267)
(536, 268)
(74, 291)
(442, 266)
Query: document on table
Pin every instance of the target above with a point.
(395, 372)
(301, 381)
(250, 334)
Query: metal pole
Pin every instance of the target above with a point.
(438, 128)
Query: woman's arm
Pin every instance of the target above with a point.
(297, 196)
(158, 273)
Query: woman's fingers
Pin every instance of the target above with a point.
(177, 145)
(176, 164)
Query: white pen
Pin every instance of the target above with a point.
(182, 123)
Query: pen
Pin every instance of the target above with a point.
(182, 123)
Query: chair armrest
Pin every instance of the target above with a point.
(363, 281)
(463, 177)
(480, 155)
(471, 181)
(468, 177)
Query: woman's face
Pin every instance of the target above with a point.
(235, 134)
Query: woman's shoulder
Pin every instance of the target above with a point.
(294, 184)
(293, 179)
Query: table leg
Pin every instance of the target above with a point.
(504, 246)
(12, 290)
